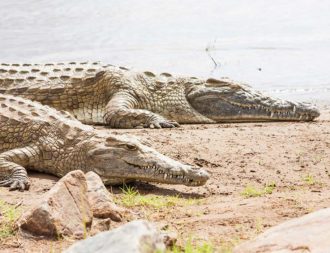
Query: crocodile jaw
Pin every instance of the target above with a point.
(115, 163)
(226, 104)
(177, 174)
(157, 172)
(152, 166)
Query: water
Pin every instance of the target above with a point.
(280, 47)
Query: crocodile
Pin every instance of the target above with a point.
(37, 137)
(118, 97)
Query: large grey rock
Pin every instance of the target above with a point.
(64, 211)
(309, 233)
(101, 200)
(134, 237)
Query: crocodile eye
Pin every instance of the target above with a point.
(130, 147)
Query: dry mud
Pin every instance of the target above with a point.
(295, 157)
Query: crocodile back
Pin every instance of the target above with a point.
(17, 110)
(52, 75)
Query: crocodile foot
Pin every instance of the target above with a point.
(161, 123)
(16, 184)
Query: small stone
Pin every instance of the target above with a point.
(134, 237)
(101, 200)
(100, 225)
(169, 238)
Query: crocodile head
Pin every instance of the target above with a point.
(119, 159)
(225, 101)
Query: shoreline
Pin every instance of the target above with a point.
(243, 159)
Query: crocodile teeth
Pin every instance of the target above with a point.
(165, 176)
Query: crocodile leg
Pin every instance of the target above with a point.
(12, 171)
(121, 113)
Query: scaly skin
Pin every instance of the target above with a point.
(34, 136)
(121, 98)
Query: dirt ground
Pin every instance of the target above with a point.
(292, 159)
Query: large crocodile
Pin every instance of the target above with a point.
(121, 98)
(41, 138)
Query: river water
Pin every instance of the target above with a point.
(280, 47)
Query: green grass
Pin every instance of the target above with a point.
(9, 215)
(269, 188)
(191, 247)
(309, 179)
(252, 192)
(131, 197)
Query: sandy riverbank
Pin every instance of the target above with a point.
(295, 157)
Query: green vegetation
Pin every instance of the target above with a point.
(191, 247)
(251, 191)
(309, 179)
(8, 216)
(131, 197)
(259, 225)
(205, 247)
(269, 188)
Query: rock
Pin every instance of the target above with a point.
(309, 233)
(64, 211)
(169, 238)
(101, 200)
(134, 237)
(100, 225)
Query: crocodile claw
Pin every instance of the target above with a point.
(162, 124)
(169, 124)
(15, 184)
